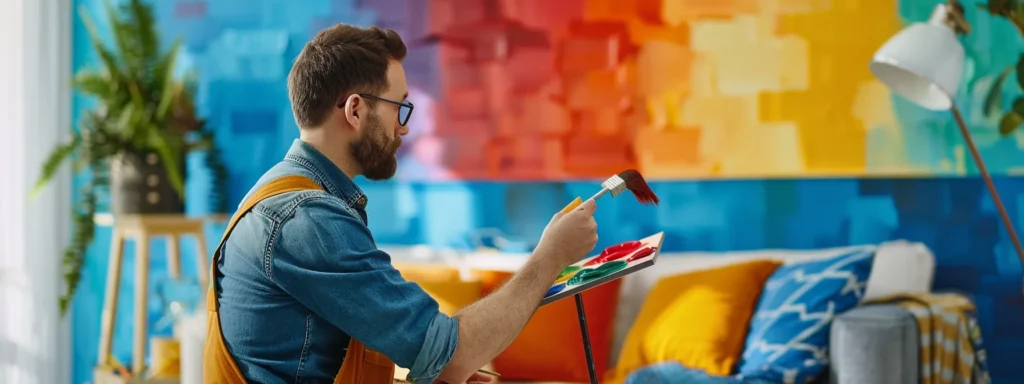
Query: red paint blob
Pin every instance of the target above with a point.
(647, 251)
(615, 252)
(628, 246)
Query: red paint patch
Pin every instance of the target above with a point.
(641, 254)
(615, 252)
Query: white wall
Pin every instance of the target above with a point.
(35, 102)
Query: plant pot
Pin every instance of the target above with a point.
(139, 185)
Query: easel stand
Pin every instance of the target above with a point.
(591, 367)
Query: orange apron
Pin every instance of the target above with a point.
(361, 366)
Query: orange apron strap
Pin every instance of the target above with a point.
(292, 183)
(361, 365)
(219, 367)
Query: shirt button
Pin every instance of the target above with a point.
(361, 201)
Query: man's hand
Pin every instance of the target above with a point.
(571, 236)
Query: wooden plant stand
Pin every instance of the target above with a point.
(141, 229)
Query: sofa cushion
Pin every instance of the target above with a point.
(550, 346)
(698, 319)
(444, 285)
(453, 295)
(789, 333)
(901, 267)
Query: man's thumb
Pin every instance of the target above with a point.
(589, 206)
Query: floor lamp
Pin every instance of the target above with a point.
(923, 63)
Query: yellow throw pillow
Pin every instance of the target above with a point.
(443, 284)
(452, 296)
(699, 319)
(417, 272)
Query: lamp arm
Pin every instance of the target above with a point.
(954, 18)
(988, 183)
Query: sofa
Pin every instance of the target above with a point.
(867, 344)
(862, 340)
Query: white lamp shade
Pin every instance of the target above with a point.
(922, 63)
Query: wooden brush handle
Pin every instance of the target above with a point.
(572, 205)
(576, 203)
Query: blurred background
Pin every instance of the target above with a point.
(757, 123)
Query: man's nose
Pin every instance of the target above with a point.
(402, 130)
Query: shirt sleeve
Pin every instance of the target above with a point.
(327, 260)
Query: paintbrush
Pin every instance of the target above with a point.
(628, 179)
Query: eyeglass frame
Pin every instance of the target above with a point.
(400, 104)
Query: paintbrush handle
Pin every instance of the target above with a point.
(577, 202)
(484, 371)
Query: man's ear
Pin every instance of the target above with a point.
(354, 108)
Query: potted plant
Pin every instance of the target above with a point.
(1012, 10)
(133, 143)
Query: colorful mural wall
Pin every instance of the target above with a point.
(584, 88)
(521, 105)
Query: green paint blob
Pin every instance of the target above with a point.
(568, 271)
(590, 274)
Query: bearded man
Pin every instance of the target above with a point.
(298, 281)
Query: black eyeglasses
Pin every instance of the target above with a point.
(404, 107)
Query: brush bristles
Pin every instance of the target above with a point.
(635, 183)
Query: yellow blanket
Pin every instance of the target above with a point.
(951, 350)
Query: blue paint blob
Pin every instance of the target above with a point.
(555, 289)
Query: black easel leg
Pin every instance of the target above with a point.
(591, 367)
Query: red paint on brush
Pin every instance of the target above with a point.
(635, 183)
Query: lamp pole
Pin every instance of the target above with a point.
(956, 21)
(988, 183)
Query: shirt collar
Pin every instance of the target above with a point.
(326, 173)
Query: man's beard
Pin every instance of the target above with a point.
(374, 151)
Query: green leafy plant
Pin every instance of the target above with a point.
(142, 108)
(1013, 11)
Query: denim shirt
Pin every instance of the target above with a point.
(300, 274)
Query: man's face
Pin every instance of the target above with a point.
(380, 134)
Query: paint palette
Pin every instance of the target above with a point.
(614, 262)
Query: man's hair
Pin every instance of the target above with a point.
(341, 59)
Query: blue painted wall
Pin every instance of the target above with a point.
(244, 48)
(953, 216)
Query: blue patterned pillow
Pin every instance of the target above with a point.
(789, 333)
